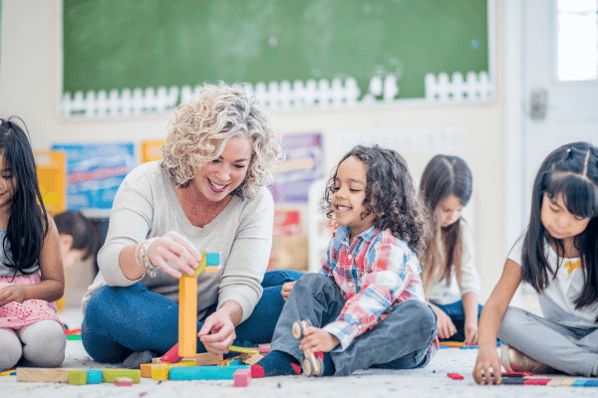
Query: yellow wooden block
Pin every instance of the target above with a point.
(562, 381)
(78, 377)
(187, 316)
(109, 375)
(160, 372)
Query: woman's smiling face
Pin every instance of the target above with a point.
(220, 177)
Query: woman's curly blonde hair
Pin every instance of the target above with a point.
(203, 126)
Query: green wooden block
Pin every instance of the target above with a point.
(109, 375)
(78, 377)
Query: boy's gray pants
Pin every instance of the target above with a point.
(571, 350)
(401, 341)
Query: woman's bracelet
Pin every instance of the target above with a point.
(142, 257)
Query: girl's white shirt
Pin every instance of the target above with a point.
(440, 293)
(557, 300)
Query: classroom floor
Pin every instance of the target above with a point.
(431, 381)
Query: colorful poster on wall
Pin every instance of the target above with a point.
(95, 171)
(150, 151)
(303, 164)
(51, 176)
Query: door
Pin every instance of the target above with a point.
(560, 80)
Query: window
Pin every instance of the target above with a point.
(577, 40)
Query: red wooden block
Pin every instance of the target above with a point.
(172, 355)
(516, 374)
(541, 382)
(242, 378)
(455, 376)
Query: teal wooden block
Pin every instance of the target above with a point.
(213, 258)
(204, 372)
(578, 383)
(94, 376)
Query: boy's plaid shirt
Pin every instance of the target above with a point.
(374, 272)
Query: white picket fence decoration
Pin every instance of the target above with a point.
(274, 95)
(475, 88)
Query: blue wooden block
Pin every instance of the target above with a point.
(578, 383)
(204, 372)
(213, 258)
(94, 376)
(591, 383)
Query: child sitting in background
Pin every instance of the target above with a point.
(451, 281)
(78, 238)
(557, 256)
(366, 305)
(31, 271)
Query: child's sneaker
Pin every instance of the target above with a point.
(515, 361)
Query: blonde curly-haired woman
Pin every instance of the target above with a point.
(207, 193)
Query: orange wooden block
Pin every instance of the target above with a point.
(187, 316)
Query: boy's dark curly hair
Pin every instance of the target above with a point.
(390, 194)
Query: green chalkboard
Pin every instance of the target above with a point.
(117, 44)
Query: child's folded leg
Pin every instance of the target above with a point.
(276, 363)
(401, 341)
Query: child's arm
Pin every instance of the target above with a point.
(446, 327)
(494, 310)
(470, 307)
(51, 287)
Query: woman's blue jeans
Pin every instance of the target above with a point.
(457, 314)
(121, 320)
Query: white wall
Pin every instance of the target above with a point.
(30, 84)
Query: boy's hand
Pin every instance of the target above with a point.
(286, 289)
(316, 339)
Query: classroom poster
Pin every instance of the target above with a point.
(95, 171)
(51, 177)
(303, 164)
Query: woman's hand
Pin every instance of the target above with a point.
(486, 363)
(286, 289)
(218, 330)
(471, 333)
(12, 293)
(176, 249)
(316, 339)
(446, 327)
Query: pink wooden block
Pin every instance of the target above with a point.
(242, 378)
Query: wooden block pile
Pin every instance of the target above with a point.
(123, 377)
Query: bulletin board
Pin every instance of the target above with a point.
(127, 44)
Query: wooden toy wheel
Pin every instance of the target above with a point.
(304, 325)
(297, 331)
(308, 368)
(319, 368)
(313, 366)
